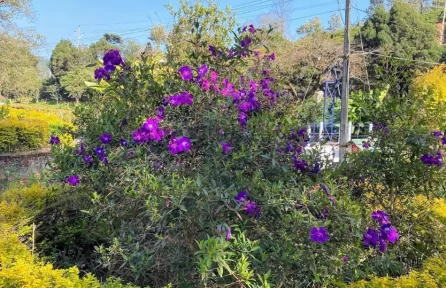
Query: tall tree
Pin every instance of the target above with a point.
(74, 82)
(335, 23)
(66, 57)
(400, 41)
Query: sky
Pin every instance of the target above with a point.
(63, 19)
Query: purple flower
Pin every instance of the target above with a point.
(246, 42)
(81, 150)
(226, 147)
(299, 164)
(212, 50)
(432, 160)
(325, 189)
(272, 57)
(109, 68)
(443, 140)
(242, 196)
(371, 237)
(381, 217)
(345, 259)
(245, 107)
(205, 85)
(221, 132)
(157, 135)
(256, 53)
(228, 234)
(87, 159)
(184, 98)
(73, 180)
(179, 145)
(123, 142)
(251, 29)
(54, 140)
(242, 119)
(101, 73)
(100, 151)
(382, 245)
(252, 209)
(214, 77)
(103, 159)
(319, 235)
(389, 233)
(160, 113)
(113, 57)
(202, 70)
(186, 73)
(366, 145)
(140, 136)
(105, 138)
(437, 133)
(150, 124)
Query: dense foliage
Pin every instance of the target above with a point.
(195, 173)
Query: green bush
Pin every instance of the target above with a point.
(17, 135)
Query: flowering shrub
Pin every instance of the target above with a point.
(202, 178)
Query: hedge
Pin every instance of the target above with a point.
(16, 135)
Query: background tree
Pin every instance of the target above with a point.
(158, 36)
(310, 28)
(335, 23)
(400, 40)
(19, 76)
(215, 27)
(74, 82)
(106, 43)
(66, 57)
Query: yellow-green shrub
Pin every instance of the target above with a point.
(18, 267)
(59, 121)
(432, 275)
(18, 135)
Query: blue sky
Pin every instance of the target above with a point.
(59, 19)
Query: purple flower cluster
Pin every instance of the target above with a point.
(183, 98)
(226, 230)
(148, 132)
(179, 145)
(102, 156)
(366, 145)
(319, 235)
(249, 206)
(226, 147)
(111, 59)
(106, 138)
(433, 159)
(387, 232)
(54, 140)
(73, 180)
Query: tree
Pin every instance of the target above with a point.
(309, 28)
(131, 50)
(74, 82)
(66, 57)
(334, 23)
(400, 41)
(19, 76)
(50, 90)
(282, 10)
(106, 43)
(158, 36)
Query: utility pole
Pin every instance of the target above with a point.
(79, 36)
(442, 25)
(345, 86)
